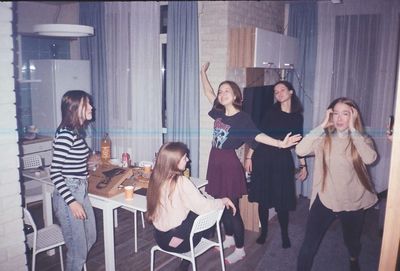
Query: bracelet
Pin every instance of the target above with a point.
(302, 166)
(247, 158)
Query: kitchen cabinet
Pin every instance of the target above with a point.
(256, 47)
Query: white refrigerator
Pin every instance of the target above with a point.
(55, 77)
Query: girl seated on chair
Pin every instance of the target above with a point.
(174, 202)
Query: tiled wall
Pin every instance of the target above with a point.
(12, 237)
(35, 48)
(215, 19)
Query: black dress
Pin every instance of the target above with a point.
(273, 175)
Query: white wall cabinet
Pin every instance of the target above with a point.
(274, 50)
(260, 48)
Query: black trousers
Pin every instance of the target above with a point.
(233, 224)
(319, 220)
(182, 232)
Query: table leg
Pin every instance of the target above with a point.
(47, 205)
(135, 226)
(108, 228)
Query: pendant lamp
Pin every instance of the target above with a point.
(63, 30)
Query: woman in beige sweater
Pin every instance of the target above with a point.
(341, 186)
(173, 201)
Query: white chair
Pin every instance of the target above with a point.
(32, 190)
(201, 223)
(44, 239)
(32, 161)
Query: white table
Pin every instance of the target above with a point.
(107, 205)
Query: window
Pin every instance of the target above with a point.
(163, 48)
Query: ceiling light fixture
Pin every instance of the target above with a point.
(63, 30)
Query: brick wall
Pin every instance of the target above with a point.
(12, 238)
(215, 20)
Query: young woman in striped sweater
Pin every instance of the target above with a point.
(69, 173)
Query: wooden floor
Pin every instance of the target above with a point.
(332, 254)
(125, 257)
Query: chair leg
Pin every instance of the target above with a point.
(135, 226)
(33, 260)
(61, 258)
(142, 220)
(221, 249)
(152, 255)
(115, 218)
(193, 261)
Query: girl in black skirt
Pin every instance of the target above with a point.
(272, 169)
(225, 173)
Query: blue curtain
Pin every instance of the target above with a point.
(94, 49)
(303, 25)
(182, 79)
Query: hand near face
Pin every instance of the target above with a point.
(353, 117)
(327, 121)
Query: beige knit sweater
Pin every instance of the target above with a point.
(343, 190)
(174, 207)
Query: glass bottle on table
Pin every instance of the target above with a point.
(105, 151)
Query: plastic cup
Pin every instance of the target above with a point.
(147, 169)
(128, 192)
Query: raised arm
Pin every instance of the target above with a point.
(207, 88)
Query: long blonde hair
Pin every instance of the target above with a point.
(165, 169)
(358, 164)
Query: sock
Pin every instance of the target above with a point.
(228, 242)
(237, 255)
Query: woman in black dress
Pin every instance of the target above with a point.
(272, 169)
(225, 173)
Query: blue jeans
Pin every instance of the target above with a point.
(79, 235)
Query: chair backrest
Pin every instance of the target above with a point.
(206, 221)
(32, 161)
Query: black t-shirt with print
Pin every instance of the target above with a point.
(230, 132)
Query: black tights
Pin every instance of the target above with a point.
(283, 218)
(233, 224)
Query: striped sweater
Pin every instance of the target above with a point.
(70, 155)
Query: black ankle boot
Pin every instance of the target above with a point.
(286, 242)
(261, 239)
(354, 266)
